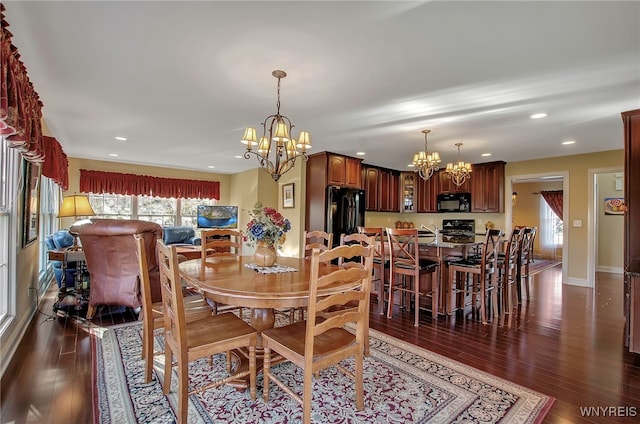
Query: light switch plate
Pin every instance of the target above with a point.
(577, 223)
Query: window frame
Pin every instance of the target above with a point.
(10, 186)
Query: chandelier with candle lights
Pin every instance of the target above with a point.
(460, 171)
(425, 163)
(276, 151)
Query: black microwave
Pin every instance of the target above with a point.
(454, 202)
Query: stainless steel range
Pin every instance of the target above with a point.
(458, 230)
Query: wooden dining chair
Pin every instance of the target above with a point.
(318, 343)
(189, 341)
(380, 280)
(482, 270)
(152, 316)
(312, 240)
(317, 240)
(508, 271)
(221, 244)
(367, 241)
(405, 270)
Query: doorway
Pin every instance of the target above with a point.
(525, 209)
(606, 222)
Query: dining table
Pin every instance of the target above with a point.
(238, 281)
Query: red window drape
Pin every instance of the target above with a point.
(56, 164)
(554, 199)
(20, 106)
(145, 185)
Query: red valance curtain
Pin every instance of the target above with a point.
(554, 199)
(116, 183)
(20, 106)
(56, 165)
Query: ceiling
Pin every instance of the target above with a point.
(180, 80)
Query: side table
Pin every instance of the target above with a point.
(70, 288)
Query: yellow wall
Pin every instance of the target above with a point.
(576, 200)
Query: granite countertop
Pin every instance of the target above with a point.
(441, 243)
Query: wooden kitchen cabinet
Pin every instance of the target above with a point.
(388, 194)
(336, 170)
(487, 187)
(427, 200)
(343, 171)
(370, 184)
(327, 169)
(632, 306)
(447, 186)
(631, 121)
(352, 172)
(408, 191)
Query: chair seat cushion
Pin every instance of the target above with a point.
(425, 265)
(470, 263)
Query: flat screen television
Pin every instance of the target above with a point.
(217, 216)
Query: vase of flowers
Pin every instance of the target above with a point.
(266, 231)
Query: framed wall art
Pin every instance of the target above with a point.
(30, 203)
(287, 196)
(614, 206)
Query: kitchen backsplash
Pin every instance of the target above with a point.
(386, 219)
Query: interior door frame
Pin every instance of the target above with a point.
(508, 209)
(592, 221)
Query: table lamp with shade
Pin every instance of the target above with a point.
(75, 206)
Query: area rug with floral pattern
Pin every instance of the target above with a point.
(403, 383)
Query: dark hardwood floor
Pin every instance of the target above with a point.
(566, 342)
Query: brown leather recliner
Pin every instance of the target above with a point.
(112, 261)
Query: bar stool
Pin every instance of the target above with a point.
(525, 257)
(380, 264)
(508, 270)
(482, 270)
(404, 262)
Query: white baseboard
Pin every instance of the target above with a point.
(582, 282)
(610, 269)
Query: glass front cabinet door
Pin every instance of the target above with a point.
(408, 192)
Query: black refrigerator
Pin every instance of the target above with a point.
(345, 211)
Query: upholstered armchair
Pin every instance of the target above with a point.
(57, 241)
(112, 260)
(180, 235)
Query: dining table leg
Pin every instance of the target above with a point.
(262, 319)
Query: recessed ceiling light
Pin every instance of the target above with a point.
(238, 157)
(486, 154)
(210, 166)
(538, 115)
(360, 153)
(115, 155)
(569, 142)
(411, 165)
(121, 138)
